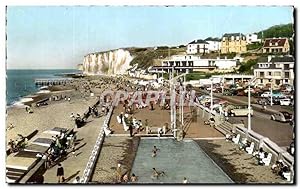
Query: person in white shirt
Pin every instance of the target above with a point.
(184, 180)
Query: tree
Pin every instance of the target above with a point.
(247, 67)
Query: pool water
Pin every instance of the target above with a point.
(177, 160)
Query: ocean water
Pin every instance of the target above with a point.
(20, 83)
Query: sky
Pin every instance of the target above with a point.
(58, 37)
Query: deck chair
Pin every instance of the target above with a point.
(236, 139)
(250, 149)
(126, 128)
(267, 160)
(119, 119)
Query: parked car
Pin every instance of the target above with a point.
(239, 110)
(259, 85)
(285, 102)
(282, 116)
(266, 94)
(276, 101)
(251, 90)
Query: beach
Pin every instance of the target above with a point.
(120, 147)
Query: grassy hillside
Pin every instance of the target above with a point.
(145, 57)
(283, 30)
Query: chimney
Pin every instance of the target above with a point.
(269, 58)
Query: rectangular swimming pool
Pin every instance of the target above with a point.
(177, 160)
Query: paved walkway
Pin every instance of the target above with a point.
(74, 166)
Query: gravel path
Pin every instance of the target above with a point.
(240, 166)
(115, 150)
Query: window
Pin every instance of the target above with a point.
(287, 75)
(270, 73)
(286, 80)
(270, 80)
(261, 74)
(286, 66)
(261, 81)
(277, 73)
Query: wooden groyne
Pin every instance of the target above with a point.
(52, 81)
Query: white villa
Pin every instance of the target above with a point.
(252, 38)
(197, 46)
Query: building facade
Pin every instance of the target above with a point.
(193, 63)
(197, 47)
(233, 43)
(275, 70)
(214, 44)
(252, 38)
(276, 45)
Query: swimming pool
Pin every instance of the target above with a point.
(177, 160)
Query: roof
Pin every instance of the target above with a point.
(198, 41)
(283, 59)
(212, 39)
(233, 34)
(272, 42)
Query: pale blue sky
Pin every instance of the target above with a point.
(59, 37)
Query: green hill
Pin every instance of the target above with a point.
(146, 57)
(283, 30)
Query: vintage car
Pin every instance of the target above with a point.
(282, 116)
(239, 110)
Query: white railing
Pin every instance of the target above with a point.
(87, 173)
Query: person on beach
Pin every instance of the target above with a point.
(125, 178)
(119, 173)
(12, 145)
(72, 116)
(69, 99)
(130, 130)
(133, 178)
(60, 173)
(77, 180)
(45, 158)
(185, 181)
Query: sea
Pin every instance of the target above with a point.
(20, 83)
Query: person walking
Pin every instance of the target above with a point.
(130, 130)
(119, 173)
(60, 173)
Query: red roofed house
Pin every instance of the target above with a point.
(276, 45)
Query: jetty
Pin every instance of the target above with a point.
(52, 81)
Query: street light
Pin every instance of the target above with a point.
(249, 104)
(211, 96)
(271, 90)
(249, 108)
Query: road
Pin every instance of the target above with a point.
(280, 133)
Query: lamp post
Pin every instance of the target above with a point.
(271, 91)
(211, 96)
(249, 108)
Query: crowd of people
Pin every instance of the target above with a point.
(58, 148)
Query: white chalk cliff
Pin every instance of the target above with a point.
(109, 63)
